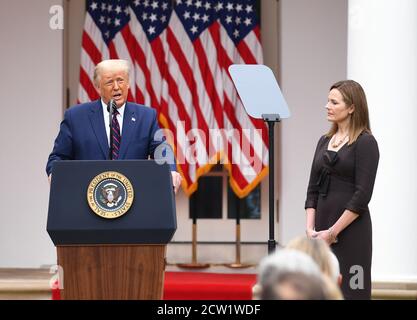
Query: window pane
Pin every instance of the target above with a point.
(206, 202)
(248, 207)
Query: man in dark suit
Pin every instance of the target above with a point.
(84, 132)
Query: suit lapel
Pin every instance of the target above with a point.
(97, 122)
(129, 123)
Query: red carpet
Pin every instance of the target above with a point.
(208, 286)
(203, 286)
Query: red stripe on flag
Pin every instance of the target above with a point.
(139, 96)
(236, 173)
(91, 48)
(87, 85)
(257, 32)
(112, 51)
(246, 53)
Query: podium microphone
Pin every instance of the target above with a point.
(111, 103)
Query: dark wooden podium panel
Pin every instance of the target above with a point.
(112, 272)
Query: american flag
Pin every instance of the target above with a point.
(179, 52)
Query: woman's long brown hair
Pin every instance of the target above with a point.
(353, 94)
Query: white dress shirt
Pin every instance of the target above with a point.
(121, 111)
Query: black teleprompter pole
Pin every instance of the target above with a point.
(271, 119)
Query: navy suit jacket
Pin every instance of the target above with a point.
(82, 135)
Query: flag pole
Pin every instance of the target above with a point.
(194, 264)
(237, 264)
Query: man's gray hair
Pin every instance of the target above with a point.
(111, 64)
(284, 261)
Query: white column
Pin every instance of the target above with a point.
(382, 57)
(31, 67)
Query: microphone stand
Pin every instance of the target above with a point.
(110, 107)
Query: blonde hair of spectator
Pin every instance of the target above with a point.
(321, 254)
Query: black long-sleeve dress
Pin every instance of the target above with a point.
(345, 180)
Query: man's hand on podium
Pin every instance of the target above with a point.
(176, 180)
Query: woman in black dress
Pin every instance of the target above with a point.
(340, 187)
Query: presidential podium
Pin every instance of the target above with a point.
(110, 222)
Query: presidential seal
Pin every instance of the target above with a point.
(110, 195)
